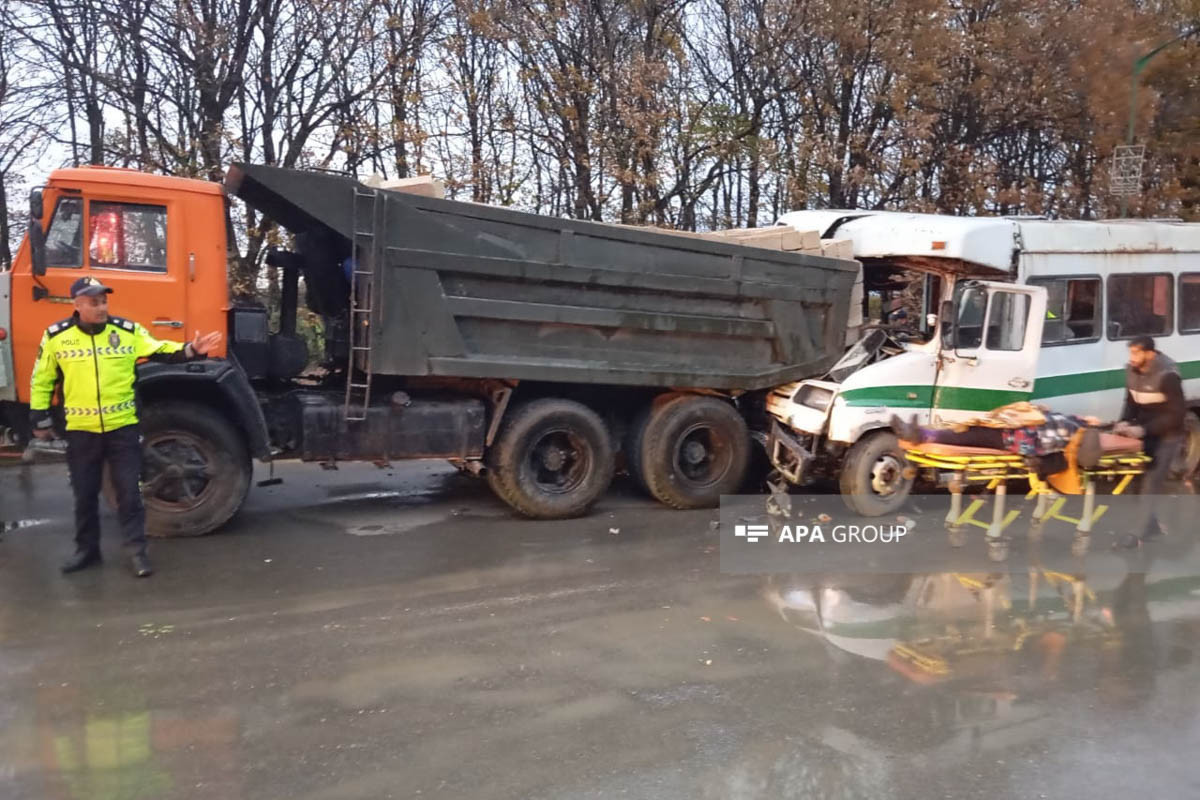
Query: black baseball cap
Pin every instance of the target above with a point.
(88, 286)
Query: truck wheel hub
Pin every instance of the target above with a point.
(694, 452)
(554, 458)
(559, 462)
(702, 457)
(178, 472)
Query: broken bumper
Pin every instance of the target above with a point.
(788, 453)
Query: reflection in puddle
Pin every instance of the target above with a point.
(18, 524)
(988, 662)
(942, 626)
(109, 758)
(360, 492)
(85, 748)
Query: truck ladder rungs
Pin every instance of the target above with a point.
(364, 257)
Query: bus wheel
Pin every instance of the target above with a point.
(873, 479)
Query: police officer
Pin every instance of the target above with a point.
(96, 355)
(1154, 411)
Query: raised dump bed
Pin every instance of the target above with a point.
(474, 291)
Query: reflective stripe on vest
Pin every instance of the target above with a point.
(91, 411)
(1147, 398)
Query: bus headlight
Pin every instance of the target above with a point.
(815, 397)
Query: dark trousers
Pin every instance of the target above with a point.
(1164, 452)
(1154, 480)
(87, 453)
(971, 437)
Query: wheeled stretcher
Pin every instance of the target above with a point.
(1121, 461)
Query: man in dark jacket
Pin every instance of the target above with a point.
(1155, 412)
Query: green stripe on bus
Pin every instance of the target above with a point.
(1079, 383)
(919, 396)
(967, 399)
(957, 397)
(1084, 382)
(924, 397)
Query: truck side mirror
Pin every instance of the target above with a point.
(947, 317)
(37, 237)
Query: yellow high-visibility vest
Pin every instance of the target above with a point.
(97, 371)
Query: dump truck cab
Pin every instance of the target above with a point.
(161, 244)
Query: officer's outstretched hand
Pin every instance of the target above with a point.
(203, 345)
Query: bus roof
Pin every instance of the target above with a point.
(132, 177)
(991, 242)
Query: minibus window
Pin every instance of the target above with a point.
(1008, 317)
(1072, 309)
(1140, 305)
(1189, 302)
(968, 328)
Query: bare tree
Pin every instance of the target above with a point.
(690, 113)
(22, 119)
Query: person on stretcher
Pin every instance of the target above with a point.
(1021, 428)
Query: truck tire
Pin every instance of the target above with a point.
(552, 459)
(632, 446)
(872, 478)
(694, 449)
(196, 469)
(1189, 455)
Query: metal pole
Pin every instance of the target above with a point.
(1138, 66)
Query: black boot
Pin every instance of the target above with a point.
(82, 559)
(906, 431)
(1154, 530)
(140, 564)
(1129, 541)
(1090, 451)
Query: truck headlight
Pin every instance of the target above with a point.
(815, 397)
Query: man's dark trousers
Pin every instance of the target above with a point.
(86, 455)
(1154, 481)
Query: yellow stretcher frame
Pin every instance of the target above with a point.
(996, 469)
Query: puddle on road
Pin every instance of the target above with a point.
(410, 520)
(410, 517)
(18, 524)
(341, 495)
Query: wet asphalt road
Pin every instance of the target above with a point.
(372, 634)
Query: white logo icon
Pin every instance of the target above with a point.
(751, 533)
